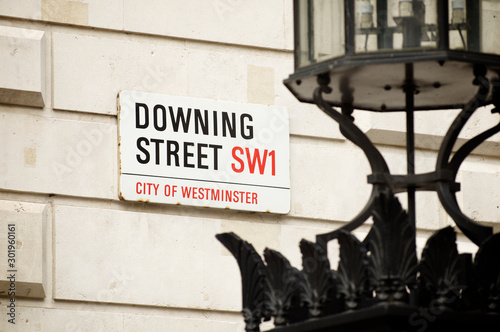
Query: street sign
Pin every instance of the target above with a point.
(203, 152)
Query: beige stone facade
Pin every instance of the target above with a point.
(87, 261)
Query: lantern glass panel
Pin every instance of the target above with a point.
(395, 25)
(473, 25)
(321, 31)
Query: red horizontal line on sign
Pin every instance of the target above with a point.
(235, 183)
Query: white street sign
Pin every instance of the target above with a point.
(203, 152)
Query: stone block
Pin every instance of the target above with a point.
(253, 77)
(104, 67)
(22, 54)
(32, 319)
(94, 13)
(81, 318)
(481, 196)
(133, 323)
(390, 128)
(106, 14)
(328, 180)
(103, 255)
(308, 120)
(227, 21)
(224, 21)
(30, 9)
(260, 85)
(56, 156)
(163, 68)
(63, 11)
(22, 225)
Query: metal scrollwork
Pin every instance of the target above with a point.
(475, 232)
(383, 268)
(369, 273)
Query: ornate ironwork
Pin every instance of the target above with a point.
(320, 290)
(379, 279)
(253, 279)
(284, 299)
(391, 242)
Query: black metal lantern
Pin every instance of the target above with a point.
(389, 55)
(366, 45)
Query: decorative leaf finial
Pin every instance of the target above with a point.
(321, 293)
(352, 271)
(253, 278)
(391, 242)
